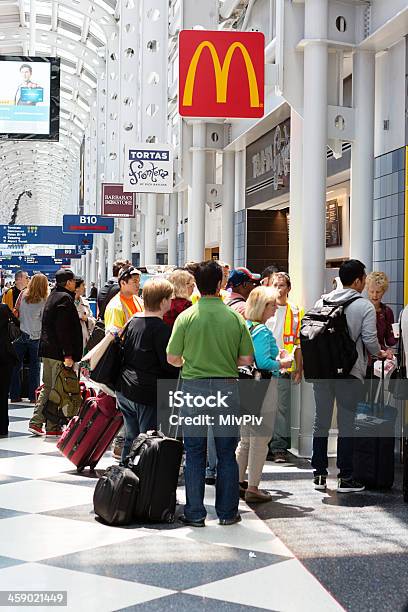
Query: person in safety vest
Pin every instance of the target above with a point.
(285, 326)
(126, 303)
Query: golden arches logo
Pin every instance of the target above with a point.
(221, 73)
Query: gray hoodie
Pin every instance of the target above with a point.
(362, 324)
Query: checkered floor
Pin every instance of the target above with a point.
(50, 540)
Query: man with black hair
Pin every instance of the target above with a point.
(60, 343)
(10, 296)
(349, 390)
(267, 275)
(209, 341)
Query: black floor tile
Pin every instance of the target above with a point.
(184, 602)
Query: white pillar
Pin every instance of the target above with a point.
(296, 206)
(102, 262)
(180, 219)
(142, 240)
(111, 253)
(150, 229)
(197, 195)
(88, 270)
(315, 162)
(362, 159)
(172, 234)
(92, 271)
(33, 23)
(127, 239)
(83, 266)
(227, 209)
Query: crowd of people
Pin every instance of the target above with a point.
(206, 326)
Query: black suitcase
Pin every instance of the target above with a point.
(115, 496)
(374, 444)
(156, 461)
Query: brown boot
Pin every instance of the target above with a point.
(252, 497)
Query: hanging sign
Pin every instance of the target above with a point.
(92, 224)
(116, 202)
(148, 168)
(221, 74)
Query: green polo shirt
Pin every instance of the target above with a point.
(210, 337)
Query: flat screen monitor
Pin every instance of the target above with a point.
(29, 98)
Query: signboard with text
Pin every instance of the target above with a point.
(116, 202)
(69, 253)
(41, 234)
(148, 168)
(32, 260)
(221, 74)
(82, 224)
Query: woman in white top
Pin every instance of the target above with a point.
(84, 310)
(29, 308)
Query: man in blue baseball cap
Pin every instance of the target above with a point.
(241, 281)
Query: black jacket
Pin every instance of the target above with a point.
(8, 355)
(108, 291)
(61, 333)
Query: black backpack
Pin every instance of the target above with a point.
(328, 350)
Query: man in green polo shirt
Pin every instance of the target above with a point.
(209, 341)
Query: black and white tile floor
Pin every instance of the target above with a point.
(50, 540)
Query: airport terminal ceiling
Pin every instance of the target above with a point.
(77, 32)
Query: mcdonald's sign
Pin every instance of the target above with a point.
(221, 74)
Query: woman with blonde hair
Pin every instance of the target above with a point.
(253, 447)
(183, 287)
(29, 309)
(377, 286)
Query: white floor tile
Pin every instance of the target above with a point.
(39, 496)
(34, 466)
(86, 592)
(22, 412)
(285, 586)
(28, 444)
(20, 426)
(34, 536)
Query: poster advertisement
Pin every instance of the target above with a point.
(116, 202)
(148, 168)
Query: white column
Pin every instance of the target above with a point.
(296, 206)
(142, 240)
(92, 272)
(227, 209)
(150, 229)
(315, 162)
(362, 159)
(102, 262)
(82, 268)
(127, 239)
(172, 234)
(88, 270)
(197, 195)
(33, 23)
(111, 254)
(180, 219)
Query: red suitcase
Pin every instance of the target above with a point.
(89, 434)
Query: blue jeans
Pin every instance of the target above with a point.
(347, 393)
(211, 470)
(195, 443)
(24, 345)
(138, 418)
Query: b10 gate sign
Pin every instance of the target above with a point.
(87, 224)
(221, 74)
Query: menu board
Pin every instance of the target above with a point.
(333, 224)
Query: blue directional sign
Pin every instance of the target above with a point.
(87, 224)
(41, 234)
(69, 253)
(32, 260)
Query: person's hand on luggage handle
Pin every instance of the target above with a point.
(68, 362)
(285, 362)
(387, 354)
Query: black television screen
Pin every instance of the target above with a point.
(29, 98)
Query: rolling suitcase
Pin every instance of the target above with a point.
(89, 434)
(156, 459)
(375, 442)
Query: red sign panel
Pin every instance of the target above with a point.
(221, 74)
(116, 202)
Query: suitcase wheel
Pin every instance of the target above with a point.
(92, 466)
(80, 468)
(169, 517)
